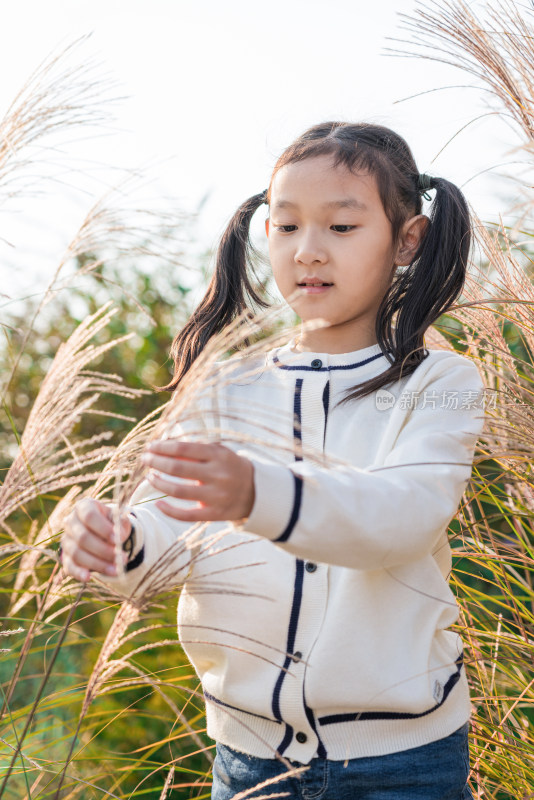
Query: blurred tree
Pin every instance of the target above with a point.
(151, 305)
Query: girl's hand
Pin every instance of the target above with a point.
(87, 542)
(225, 481)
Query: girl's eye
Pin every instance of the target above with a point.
(347, 228)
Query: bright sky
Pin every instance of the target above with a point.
(215, 90)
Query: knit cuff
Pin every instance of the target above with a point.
(274, 512)
(134, 545)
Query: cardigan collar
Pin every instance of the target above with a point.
(364, 360)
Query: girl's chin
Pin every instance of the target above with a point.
(308, 314)
(315, 323)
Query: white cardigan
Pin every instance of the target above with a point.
(319, 626)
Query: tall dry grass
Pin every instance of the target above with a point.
(494, 574)
(82, 664)
(46, 687)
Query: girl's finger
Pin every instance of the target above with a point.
(175, 448)
(91, 515)
(80, 537)
(78, 573)
(95, 546)
(201, 514)
(192, 470)
(125, 529)
(76, 539)
(183, 491)
(87, 561)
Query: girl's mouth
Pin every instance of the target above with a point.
(314, 288)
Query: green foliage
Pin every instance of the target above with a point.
(132, 733)
(152, 307)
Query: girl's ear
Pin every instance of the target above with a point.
(412, 234)
(267, 227)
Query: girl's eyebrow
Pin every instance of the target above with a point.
(348, 202)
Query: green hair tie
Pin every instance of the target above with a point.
(424, 183)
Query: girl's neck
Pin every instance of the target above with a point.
(319, 341)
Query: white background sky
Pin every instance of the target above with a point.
(215, 90)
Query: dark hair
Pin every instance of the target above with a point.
(418, 294)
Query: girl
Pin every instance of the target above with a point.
(328, 646)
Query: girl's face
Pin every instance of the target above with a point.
(331, 243)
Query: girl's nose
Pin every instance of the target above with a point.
(309, 249)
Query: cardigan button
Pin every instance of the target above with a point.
(317, 363)
(301, 737)
(297, 656)
(310, 566)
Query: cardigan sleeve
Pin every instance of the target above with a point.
(385, 515)
(161, 556)
(163, 547)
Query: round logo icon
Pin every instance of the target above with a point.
(384, 399)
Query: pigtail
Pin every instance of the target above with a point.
(435, 279)
(229, 292)
(424, 291)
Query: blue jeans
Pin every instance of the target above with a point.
(435, 771)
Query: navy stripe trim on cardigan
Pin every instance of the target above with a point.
(213, 699)
(138, 559)
(297, 419)
(321, 749)
(299, 569)
(297, 438)
(295, 511)
(364, 715)
(308, 368)
(326, 405)
(292, 632)
(284, 744)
